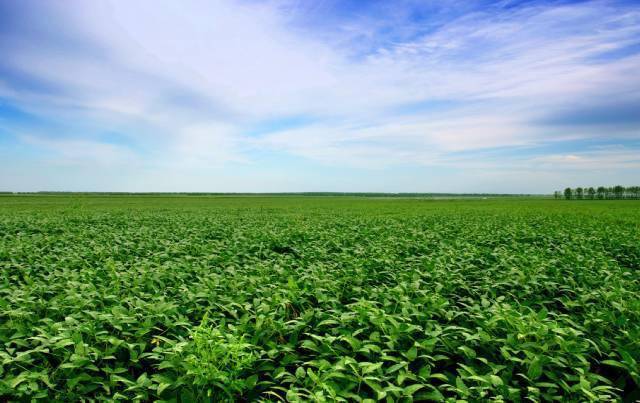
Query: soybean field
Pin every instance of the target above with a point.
(197, 299)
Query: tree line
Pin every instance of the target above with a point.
(599, 193)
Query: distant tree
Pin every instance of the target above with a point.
(618, 191)
(601, 193)
(568, 194)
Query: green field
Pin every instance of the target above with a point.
(318, 298)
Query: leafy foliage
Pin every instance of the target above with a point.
(218, 358)
(602, 192)
(322, 299)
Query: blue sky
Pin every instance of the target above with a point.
(271, 96)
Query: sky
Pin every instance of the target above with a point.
(336, 95)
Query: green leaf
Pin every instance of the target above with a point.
(461, 386)
(469, 352)
(439, 376)
(13, 383)
(433, 395)
(412, 353)
(161, 388)
(251, 381)
(396, 367)
(411, 389)
(614, 363)
(496, 380)
(367, 369)
(535, 369)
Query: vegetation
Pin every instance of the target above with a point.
(322, 299)
(350, 194)
(601, 193)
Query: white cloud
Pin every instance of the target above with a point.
(598, 159)
(79, 152)
(207, 144)
(185, 78)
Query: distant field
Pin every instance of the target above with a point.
(318, 298)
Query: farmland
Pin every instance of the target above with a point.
(318, 298)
